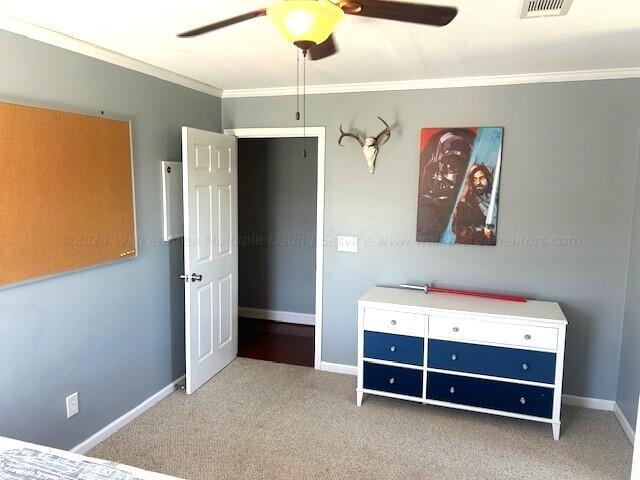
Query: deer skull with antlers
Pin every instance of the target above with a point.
(369, 145)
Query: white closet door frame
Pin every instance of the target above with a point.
(296, 132)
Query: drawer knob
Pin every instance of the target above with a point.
(392, 380)
(523, 400)
(456, 329)
(527, 337)
(394, 322)
(452, 390)
(454, 357)
(392, 348)
(525, 366)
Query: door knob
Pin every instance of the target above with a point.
(193, 278)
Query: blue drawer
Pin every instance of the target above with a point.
(403, 381)
(394, 348)
(494, 361)
(495, 395)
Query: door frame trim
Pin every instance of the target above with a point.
(297, 132)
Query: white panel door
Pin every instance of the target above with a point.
(210, 190)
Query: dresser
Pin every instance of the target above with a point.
(490, 356)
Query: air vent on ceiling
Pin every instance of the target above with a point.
(544, 8)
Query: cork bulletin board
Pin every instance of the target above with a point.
(66, 192)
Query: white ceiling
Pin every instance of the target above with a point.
(487, 38)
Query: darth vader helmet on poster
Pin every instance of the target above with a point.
(443, 165)
(447, 164)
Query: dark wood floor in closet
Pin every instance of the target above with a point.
(276, 341)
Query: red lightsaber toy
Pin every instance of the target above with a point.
(494, 296)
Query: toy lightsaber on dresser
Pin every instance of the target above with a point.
(433, 289)
(478, 354)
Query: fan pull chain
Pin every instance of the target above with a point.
(304, 105)
(297, 84)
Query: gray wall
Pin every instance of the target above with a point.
(277, 223)
(629, 378)
(115, 334)
(569, 158)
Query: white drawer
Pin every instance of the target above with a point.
(486, 331)
(400, 323)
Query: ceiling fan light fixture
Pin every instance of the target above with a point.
(305, 22)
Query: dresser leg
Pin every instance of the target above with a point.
(556, 431)
(360, 395)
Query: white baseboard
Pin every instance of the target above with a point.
(277, 315)
(339, 368)
(128, 417)
(624, 423)
(113, 427)
(588, 402)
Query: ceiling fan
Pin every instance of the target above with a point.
(309, 24)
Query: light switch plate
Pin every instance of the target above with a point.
(73, 407)
(347, 244)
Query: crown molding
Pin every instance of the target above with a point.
(73, 44)
(79, 46)
(456, 82)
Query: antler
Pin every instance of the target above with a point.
(347, 134)
(386, 131)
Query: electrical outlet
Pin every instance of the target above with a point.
(73, 406)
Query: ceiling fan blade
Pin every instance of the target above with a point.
(405, 12)
(224, 23)
(324, 50)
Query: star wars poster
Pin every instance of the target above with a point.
(459, 185)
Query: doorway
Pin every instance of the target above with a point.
(280, 232)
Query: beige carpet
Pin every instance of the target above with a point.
(261, 420)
